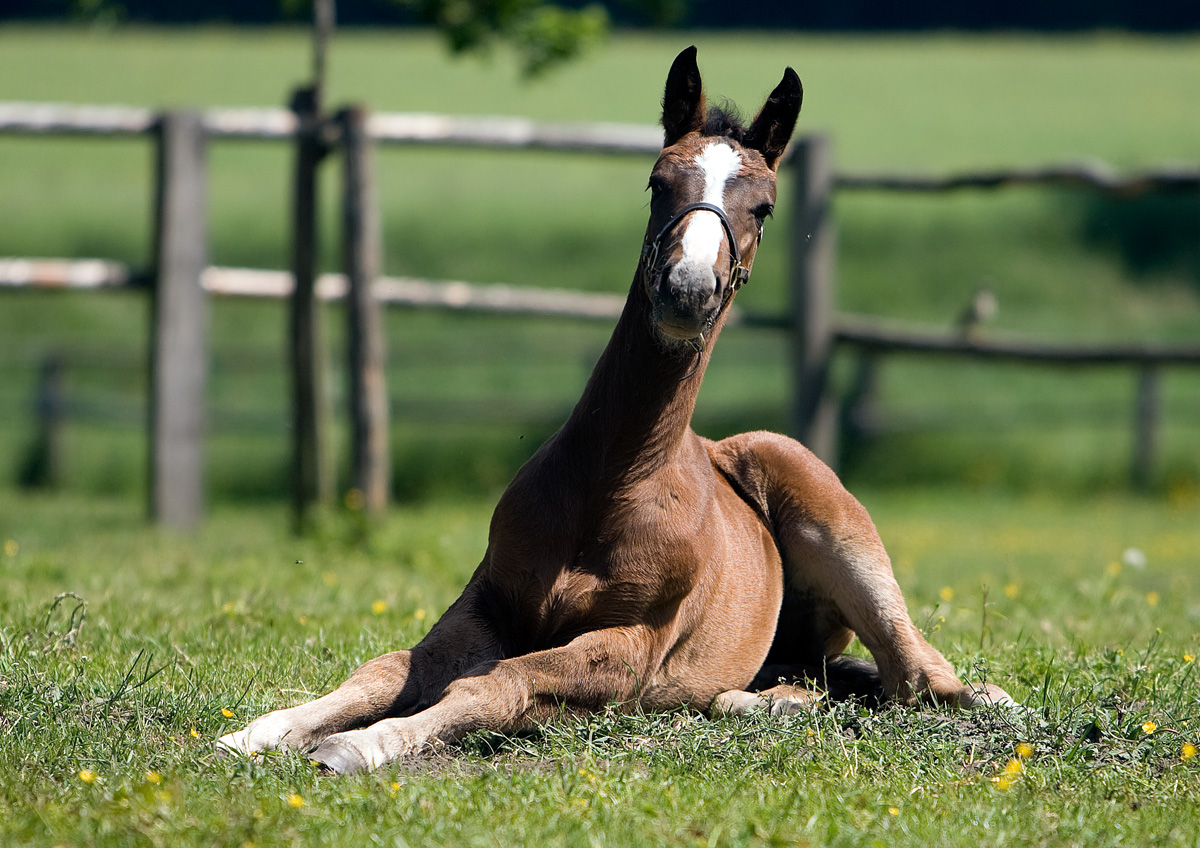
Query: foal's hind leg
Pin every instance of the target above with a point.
(838, 569)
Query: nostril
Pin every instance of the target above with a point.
(692, 284)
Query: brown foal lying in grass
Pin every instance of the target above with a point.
(631, 560)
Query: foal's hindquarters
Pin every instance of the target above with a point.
(838, 583)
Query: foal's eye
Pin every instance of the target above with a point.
(655, 185)
(763, 212)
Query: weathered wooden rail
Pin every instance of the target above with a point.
(181, 279)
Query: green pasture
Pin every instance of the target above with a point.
(1001, 491)
(111, 697)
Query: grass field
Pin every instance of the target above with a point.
(1000, 491)
(111, 699)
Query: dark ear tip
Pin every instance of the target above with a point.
(792, 80)
(686, 56)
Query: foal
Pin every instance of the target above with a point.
(631, 560)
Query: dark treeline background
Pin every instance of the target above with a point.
(830, 15)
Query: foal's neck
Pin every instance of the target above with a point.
(636, 411)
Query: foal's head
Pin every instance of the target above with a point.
(713, 187)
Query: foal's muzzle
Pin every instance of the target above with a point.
(688, 301)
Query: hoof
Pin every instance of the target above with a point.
(987, 695)
(789, 706)
(735, 703)
(234, 745)
(333, 757)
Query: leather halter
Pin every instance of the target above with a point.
(738, 273)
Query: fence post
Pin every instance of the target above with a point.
(1145, 426)
(362, 260)
(312, 477)
(813, 253)
(42, 466)
(179, 323)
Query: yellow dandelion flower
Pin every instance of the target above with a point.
(379, 607)
(1114, 568)
(11, 548)
(87, 775)
(195, 733)
(295, 801)
(1024, 750)
(1012, 590)
(225, 711)
(153, 777)
(303, 620)
(1009, 774)
(1149, 727)
(946, 594)
(1188, 751)
(329, 579)
(395, 787)
(892, 811)
(419, 615)
(1187, 658)
(1152, 598)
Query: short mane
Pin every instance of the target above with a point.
(725, 122)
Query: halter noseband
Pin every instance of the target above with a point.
(738, 273)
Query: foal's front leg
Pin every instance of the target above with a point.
(378, 688)
(594, 669)
(393, 684)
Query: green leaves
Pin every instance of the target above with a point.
(543, 34)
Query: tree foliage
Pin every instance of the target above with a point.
(544, 34)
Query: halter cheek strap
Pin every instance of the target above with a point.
(738, 273)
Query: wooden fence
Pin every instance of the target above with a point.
(181, 278)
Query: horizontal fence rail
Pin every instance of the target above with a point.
(872, 335)
(412, 292)
(1088, 175)
(507, 133)
(865, 332)
(264, 124)
(180, 273)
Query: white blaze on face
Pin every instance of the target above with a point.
(702, 239)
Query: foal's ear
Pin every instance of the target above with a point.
(683, 99)
(771, 130)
